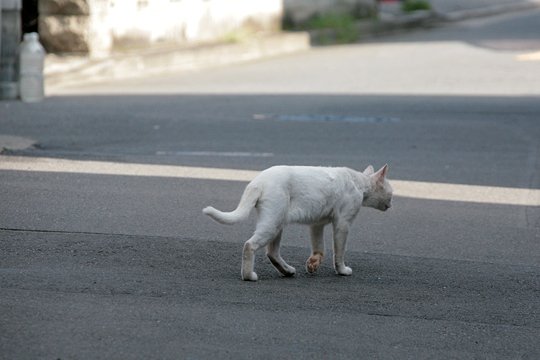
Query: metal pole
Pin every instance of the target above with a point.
(10, 37)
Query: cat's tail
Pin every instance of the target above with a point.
(247, 202)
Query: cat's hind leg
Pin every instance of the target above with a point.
(272, 251)
(269, 226)
(271, 217)
(248, 259)
(317, 248)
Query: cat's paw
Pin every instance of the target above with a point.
(289, 271)
(344, 270)
(250, 276)
(313, 263)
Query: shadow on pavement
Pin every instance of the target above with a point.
(141, 296)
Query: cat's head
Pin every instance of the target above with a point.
(379, 195)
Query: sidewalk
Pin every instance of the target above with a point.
(65, 71)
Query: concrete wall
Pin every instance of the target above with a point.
(98, 26)
(191, 20)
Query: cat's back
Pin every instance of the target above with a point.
(306, 175)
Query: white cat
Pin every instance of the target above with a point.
(315, 196)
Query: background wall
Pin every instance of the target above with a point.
(98, 26)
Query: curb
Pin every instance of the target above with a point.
(372, 28)
(416, 19)
(66, 71)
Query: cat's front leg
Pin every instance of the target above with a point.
(341, 231)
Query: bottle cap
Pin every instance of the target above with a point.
(31, 36)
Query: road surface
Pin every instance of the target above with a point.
(104, 251)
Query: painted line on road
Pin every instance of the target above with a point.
(402, 188)
(327, 118)
(37, 164)
(466, 193)
(534, 56)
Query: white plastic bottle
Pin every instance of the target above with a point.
(32, 58)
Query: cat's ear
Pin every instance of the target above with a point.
(380, 175)
(369, 170)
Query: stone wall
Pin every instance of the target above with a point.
(98, 26)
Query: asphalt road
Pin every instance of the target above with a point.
(118, 266)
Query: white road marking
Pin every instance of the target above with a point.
(125, 169)
(533, 56)
(409, 189)
(467, 193)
